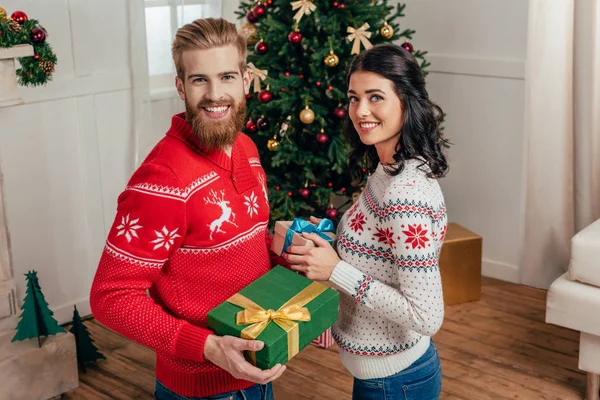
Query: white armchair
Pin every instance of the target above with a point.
(574, 302)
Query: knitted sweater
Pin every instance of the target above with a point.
(391, 293)
(191, 227)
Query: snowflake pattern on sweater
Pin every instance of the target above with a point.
(389, 242)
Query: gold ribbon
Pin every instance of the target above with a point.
(293, 310)
(257, 75)
(305, 8)
(359, 36)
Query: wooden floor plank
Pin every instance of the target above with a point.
(496, 348)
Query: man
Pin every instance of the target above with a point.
(191, 228)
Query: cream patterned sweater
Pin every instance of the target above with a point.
(391, 292)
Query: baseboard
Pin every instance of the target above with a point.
(502, 271)
(64, 314)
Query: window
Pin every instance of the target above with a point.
(163, 18)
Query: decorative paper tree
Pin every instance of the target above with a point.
(86, 351)
(36, 319)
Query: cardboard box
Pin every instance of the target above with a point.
(281, 228)
(270, 292)
(460, 265)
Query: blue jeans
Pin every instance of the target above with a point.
(256, 392)
(422, 380)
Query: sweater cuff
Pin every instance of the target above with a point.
(190, 342)
(346, 277)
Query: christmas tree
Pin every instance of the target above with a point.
(299, 52)
(36, 318)
(86, 350)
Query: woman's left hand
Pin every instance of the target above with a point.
(317, 263)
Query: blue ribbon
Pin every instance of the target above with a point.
(301, 226)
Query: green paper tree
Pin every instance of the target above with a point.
(299, 53)
(36, 319)
(86, 350)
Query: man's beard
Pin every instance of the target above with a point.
(216, 134)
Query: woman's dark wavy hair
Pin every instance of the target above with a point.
(420, 135)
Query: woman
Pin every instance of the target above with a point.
(389, 241)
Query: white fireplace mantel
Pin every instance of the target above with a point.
(8, 77)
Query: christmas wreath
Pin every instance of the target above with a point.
(19, 29)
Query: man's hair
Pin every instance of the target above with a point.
(206, 33)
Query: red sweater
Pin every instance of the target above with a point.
(191, 228)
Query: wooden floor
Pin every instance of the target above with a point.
(496, 348)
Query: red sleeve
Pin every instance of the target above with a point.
(148, 228)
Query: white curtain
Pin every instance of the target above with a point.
(562, 130)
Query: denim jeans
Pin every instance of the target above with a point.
(256, 392)
(422, 380)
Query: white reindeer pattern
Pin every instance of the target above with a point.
(263, 185)
(226, 212)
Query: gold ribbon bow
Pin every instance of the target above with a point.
(286, 316)
(359, 36)
(257, 75)
(305, 8)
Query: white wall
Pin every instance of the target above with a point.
(67, 152)
(477, 49)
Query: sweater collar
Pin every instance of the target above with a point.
(181, 130)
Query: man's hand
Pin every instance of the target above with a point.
(226, 352)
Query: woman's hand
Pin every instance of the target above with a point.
(317, 263)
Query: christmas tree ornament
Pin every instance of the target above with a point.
(47, 67)
(331, 212)
(257, 76)
(265, 96)
(249, 96)
(273, 144)
(295, 37)
(285, 125)
(358, 36)
(304, 7)
(307, 115)
(38, 35)
(14, 26)
(386, 31)
(36, 56)
(19, 16)
(305, 191)
(261, 47)
(259, 11)
(249, 31)
(251, 126)
(262, 123)
(322, 137)
(331, 60)
(250, 17)
(340, 112)
(2, 14)
(407, 46)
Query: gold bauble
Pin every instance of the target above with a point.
(307, 116)
(387, 31)
(249, 31)
(331, 60)
(273, 145)
(2, 14)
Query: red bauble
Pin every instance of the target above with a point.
(249, 96)
(36, 56)
(322, 137)
(265, 96)
(407, 46)
(261, 47)
(340, 112)
(251, 126)
(20, 17)
(331, 213)
(38, 35)
(258, 11)
(295, 38)
(251, 17)
(262, 124)
(304, 192)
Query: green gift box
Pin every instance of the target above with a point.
(283, 309)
